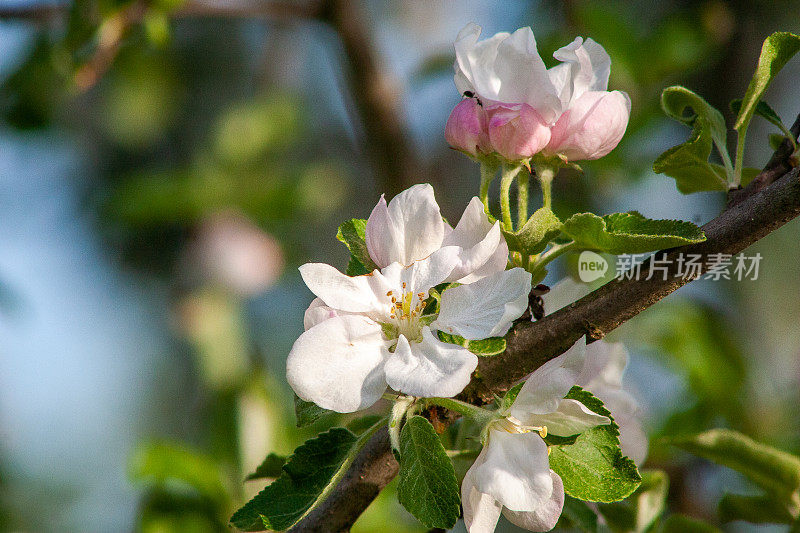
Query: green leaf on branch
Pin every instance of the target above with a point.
(639, 512)
(775, 471)
(753, 509)
(308, 412)
(271, 466)
(353, 234)
(678, 523)
(538, 230)
(594, 468)
(427, 487)
(762, 109)
(629, 233)
(688, 163)
(776, 51)
(307, 476)
(484, 347)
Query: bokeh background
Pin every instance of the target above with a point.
(165, 166)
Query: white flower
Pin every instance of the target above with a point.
(411, 228)
(526, 108)
(512, 474)
(367, 332)
(602, 375)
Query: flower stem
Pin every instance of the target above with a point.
(737, 169)
(522, 198)
(506, 179)
(488, 172)
(555, 251)
(467, 409)
(546, 173)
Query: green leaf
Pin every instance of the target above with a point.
(579, 514)
(510, 397)
(594, 468)
(776, 51)
(353, 234)
(679, 523)
(532, 238)
(308, 412)
(676, 100)
(272, 466)
(762, 109)
(162, 463)
(773, 470)
(484, 347)
(754, 509)
(307, 476)
(428, 487)
(640, 511)
(629, 233)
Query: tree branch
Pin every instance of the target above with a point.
(760, 210)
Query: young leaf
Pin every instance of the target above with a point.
(510, 397)
(272, 466)
(688, 163)
(307, 476)
(676, 100)
(775, 471)
(629, 233)
(428, 487)
(483, 347)
(765, 111)
(532, 238)
(353, 234)
(753, 509)
(776, 51)
(594, 468)
(307, 412)
(639, 512)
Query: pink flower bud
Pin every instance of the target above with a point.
(466, 128)
(592, 126)
(516, 131)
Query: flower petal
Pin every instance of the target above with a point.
(485, 308)
(338, 364)
(571, 418)
(408, 229)
(588, 67)
(474, 66)
(359, 294)
(547, 385)
(483, 248)
(421, 275)
(513, 468)
(481, 511)
(517, 132)
(564, 293)
(605, 365)
(429, 368)
(466, 128)
(316, 313)
(543, 518)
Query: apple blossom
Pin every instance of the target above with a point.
(512, 474)
(410, 228)
(466, 128)
(366, 333)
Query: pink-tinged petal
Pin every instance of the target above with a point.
(513, 468)
(592, 126)
(317, 313)
(483, 248)
(466, 128)
(430, 368)
(408, 229)
(481, 511)
(338, 364)
(517, 132)
(545, 517)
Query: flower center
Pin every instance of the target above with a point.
(511, 424)
(405, 312)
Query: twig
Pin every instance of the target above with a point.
(529, 345)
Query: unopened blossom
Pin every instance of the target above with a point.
(410, 228)
(526, 108)
(512, 474)
(602, 375)
(366, 333)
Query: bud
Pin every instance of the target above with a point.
(466, 128)
(516, 131)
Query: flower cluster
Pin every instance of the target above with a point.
(515, 107)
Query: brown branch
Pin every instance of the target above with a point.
(761, 210)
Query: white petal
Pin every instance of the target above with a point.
(410, 228)
(479, 241)
(317, 312)
(475, 62)
(605, 365)
(487, 307)
(429, 368)
(564, 293)
(420, 276)
(545, 388)
(545, 517)
(360, 294)
(571, 418)
(589, 68)
(481, 511)
(515, 470)
(338, 364)
(632, 439)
